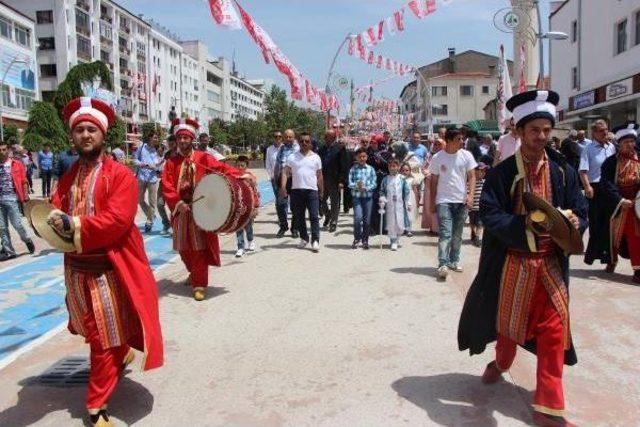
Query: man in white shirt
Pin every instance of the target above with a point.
(452, 186)
(508, 144)
(307, 187)
(270, 158)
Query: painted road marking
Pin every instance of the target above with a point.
(32, 307)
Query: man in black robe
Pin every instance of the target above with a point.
(520, 294)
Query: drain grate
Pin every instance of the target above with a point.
(71, 371)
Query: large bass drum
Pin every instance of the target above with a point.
(224, 204)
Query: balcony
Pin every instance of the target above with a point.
(124, 50)
(83, 54)
(83, 30)
(106, 18)
(124, 29)
(141, 55)
(106, 43)
(82, 5)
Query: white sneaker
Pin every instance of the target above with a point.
(252, 246)
(315, 246)
(239, 253)
(456, 267)
(443, 272)
(394, 246)
(303, 244)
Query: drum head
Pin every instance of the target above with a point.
(212, 211)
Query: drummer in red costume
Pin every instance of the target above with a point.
(111, 292)
(621, 184)
(198, 249)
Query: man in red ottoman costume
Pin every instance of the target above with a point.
(111, 292)
(198, 249)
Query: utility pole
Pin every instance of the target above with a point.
(352, 101)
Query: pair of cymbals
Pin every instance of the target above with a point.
(37, 212)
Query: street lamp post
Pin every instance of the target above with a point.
(327, 89)
(15, 60)
(550, 35)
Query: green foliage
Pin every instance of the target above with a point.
(70, 88)
(281, 114)
(45, 127)
(148, 127)
(219, 132)
(247, 133)
(117, 134)
(10, 133)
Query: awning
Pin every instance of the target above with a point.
(484, 127)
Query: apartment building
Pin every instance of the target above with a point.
(18, 65)
(597, 70)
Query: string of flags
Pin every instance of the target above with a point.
(225, 15)
(379, 61)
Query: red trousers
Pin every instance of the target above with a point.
(633, 239)
(198, 266)
(545, 326)
(106, 367)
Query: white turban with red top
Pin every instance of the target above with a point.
(187, 127)
(92, 110)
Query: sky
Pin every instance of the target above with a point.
(309, 32)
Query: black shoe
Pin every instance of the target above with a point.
(30, 246)
(295, 234)
(280, 233)
(148, 227)
(365, 246)
(476, 242)
(326, 222)
(332, 228)
(408, 234)
(355, 244)
(5, 256)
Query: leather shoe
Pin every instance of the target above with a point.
(199, 294)
(295, 234)
(636, 277)
(332, 228)
(545, 420)
(280, 233)
(491, 374)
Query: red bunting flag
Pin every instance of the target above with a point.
(398, 17)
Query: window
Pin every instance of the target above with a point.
(637, 38)
(575, 78)
(5, 28)
(48, 70)
(485, 90)
(82, 20)
(44, 16)
(439, 91)
(466, 90)
(47, 43)
(621, 37)
(440, 110)
(106, 31)
(574, 31)
(104, 56)
(48, 95)
(84, 46)
(22, 36)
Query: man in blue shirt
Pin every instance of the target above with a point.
(417, 148)
(65, 160)
(149, 163)
(289, 147)
(45, 164)
(591, 159)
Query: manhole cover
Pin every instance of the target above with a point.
(71, 371)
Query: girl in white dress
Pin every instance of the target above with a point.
(395, 198)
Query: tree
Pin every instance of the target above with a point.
(71, 88)
(10, 132)
(148, 127)
(280, 114)
(246, 133)
(218, 132)
(45, 127)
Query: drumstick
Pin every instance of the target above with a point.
(196, 200)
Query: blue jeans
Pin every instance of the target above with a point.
(10, 212)
(301, 201)
(362, 218)
(451, 217)
(282, 205)
(240, 234)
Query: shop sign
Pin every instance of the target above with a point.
(620, 89)
(584, 100)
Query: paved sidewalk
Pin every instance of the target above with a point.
(340, 338)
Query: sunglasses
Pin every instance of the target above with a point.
(305, 140)
(277, 136)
